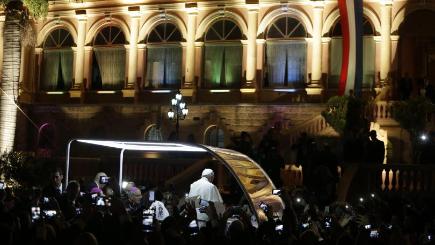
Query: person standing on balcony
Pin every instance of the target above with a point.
(375, 152)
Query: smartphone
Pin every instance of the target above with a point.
(328, 222)
(50, 213)
(104, 179)
(193, 228)
(79, 211)
(151, 196)
(2, 185)
(374, 234)
(148, 221)
(367, 227)
(230, 220)
(279, 227)
(264, 207)
(45, 200)
(203, 204)
(276, 192)
(305, 225)
(36, 213)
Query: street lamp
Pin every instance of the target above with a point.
(178, 111)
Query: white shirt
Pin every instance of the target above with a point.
(206, 190)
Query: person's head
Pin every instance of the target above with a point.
(57, 177)
(73, 189)
(209, 174)
(97, 178)
(372, 134)
(134, 195)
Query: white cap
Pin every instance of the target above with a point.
(207, 172)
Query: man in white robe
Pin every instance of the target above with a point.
(206, 190)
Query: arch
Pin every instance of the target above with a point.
(334, 15)
(148, 130)
(157, 19)
(210, 19)
(278, 13)
(51, 26)
(100, 24)
(46, 137)
(405, 11)
(219, 132)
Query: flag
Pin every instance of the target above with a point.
(351, 12)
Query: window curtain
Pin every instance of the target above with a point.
(286, 63)
(368, 61)
(57, 69)
(111, 63)
(223, 65)
(335, 62)
(163, 66)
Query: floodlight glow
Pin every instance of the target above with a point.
(164, 91)
(423, 137)
(298, 199)
(372, 195)
(106, 92)
(347, 206)
(55, 92)
(219, 91)
(285, 90)
(361, 199)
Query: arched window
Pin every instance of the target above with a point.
(163, 66)
(336, 53)
(214, 136)
(108, 66)
(153, 133)
(223, 55)
(46, 140)
(57, 65)
(286, 51)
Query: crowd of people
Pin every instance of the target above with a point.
(101, 213)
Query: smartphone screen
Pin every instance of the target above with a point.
(104, 179)
(2, 185)
(36, 213)
(276, 192)
(99, 201)
(79, 211)
(151, 196)
(374, 234)
(50, 213)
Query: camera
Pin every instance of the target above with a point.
(148, 220)
(2, 185)
(36, 213)
(276, 192)
(104, 179)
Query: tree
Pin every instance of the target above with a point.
(18, 31)
(412, 116)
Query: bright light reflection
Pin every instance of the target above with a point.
(160, 91)
(286, 90)
(144, 146)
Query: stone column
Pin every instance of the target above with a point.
(132, 54)
(189, 77)
(80, 55)
(141, 66)
(252, 45)
(2, 25)
(260, 61)
(385, 40)
(38, 69)
(316, 54)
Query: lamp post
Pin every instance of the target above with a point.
(178, 111)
